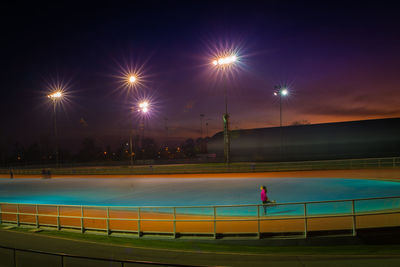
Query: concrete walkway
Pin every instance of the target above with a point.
(169, 257)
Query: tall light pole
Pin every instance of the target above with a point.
(201, 125)
(223, 63)
(143, 109)
(55, 97)
(207, 127)
(281, 92)
(131, 80)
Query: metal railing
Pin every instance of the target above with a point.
(297, 219)
(366, 163)
(63, 259)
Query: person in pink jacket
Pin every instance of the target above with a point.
(264, 198)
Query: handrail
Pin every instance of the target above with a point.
(205, 218)
(209, 206)
(63, 255)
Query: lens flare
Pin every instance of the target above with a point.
(58, 91)
(225, 60)
(132, 79)
(55, 95)
(144, 106)
(129, 76)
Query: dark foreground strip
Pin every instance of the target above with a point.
(63, 255)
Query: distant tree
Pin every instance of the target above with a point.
(19, 153)
(201, 145)
(164, 152)
(89, 150)
(188, 148)
(33, 154)
(122, 152)
(302, 122)
(149, 148)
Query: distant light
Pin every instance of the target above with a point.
(225, 60)
(144, 104)
(144, 107)
(284, 92)
(55, 95)
(132, 79)
(275, 93)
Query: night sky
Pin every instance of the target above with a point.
(340, 61)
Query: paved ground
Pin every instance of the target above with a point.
(51, 244)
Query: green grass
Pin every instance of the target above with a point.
(218, 167)
(222, 246)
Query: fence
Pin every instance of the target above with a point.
(63, 259)
(392, 162)
(299, 219)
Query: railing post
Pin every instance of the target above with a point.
(353, 208)
(174, 222)
(58, 218)
(258, 222)
(305, 220)
(18, 215)
(138, 223)
(37, 216)
(108, 220)
(82, 221)
(215, 223)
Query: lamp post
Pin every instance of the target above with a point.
(223, 63)
(280, 91)
(201, 125)
(131, 80)
(143, 109)
(55, 97)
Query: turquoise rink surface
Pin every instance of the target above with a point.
(206, 192)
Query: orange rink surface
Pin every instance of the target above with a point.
(96, 218)
(205, 223)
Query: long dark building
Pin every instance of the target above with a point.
(354, 139)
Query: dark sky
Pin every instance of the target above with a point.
(341, 61)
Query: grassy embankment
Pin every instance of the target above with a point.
(220, 247)
(240, 167)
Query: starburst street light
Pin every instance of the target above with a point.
(222, 63)
(55, 95)
(225, 60)
(132, 79)
(143, 106)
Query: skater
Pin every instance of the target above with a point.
(264, 198)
